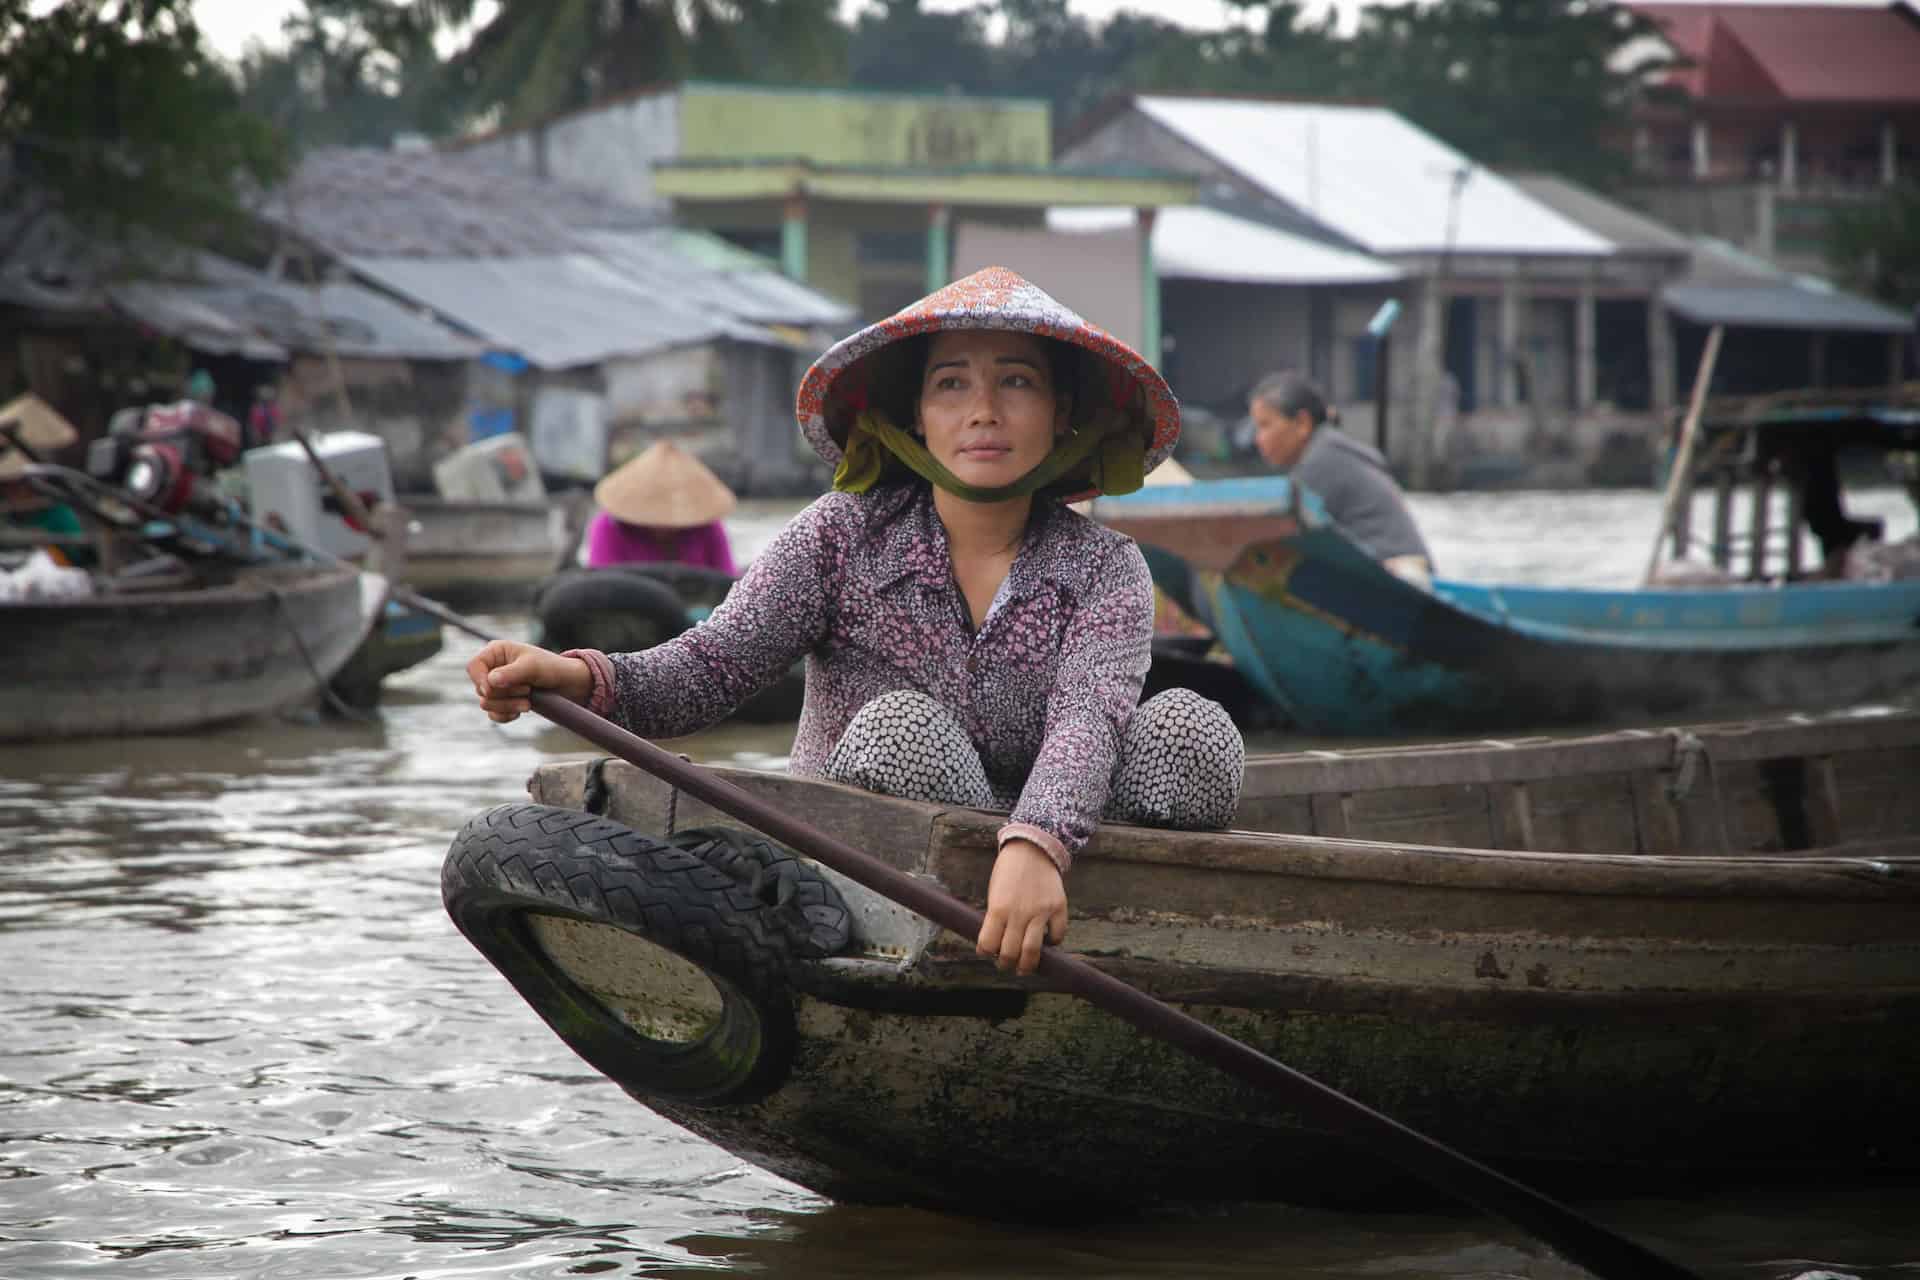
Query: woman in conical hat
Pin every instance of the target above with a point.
(663, 505)
(969, 639)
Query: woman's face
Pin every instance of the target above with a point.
(987, 405)
(1281, 438)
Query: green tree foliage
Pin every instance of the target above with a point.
(1874, 247)
(533, 58)
(118, 117)
(1523, 84)
(353, 72)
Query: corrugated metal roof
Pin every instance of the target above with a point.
(698, 269)
(1370, 176)
(559, 310)
(349, 319)
(177, 312)
(1627, 228)
(361, 202)
(1196, 243)
(1783, 305)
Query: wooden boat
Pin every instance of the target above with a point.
(1345, 647)
(147, 655)
(400, 638)
(486, 555)
(1600, 963)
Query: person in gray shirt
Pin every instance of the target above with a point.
(1290, 419)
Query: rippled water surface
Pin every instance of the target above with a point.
(239, 1037)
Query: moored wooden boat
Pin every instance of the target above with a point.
(485, 555)
(1606, 961)
(1345, 647)
(171, 659)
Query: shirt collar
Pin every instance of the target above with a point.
(911, 545)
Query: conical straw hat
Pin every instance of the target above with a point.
(665, 487)
(36, 422)
(844, 380)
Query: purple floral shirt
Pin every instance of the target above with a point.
(863, 586)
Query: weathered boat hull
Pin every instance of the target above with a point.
(1344, 647)
(484, 555)
(169, 661)
(1591, 1019)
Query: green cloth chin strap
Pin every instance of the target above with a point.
(1117, 451)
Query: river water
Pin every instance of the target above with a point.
(239, 1037)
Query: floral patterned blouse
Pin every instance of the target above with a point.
(863, 586)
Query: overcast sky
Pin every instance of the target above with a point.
(230, 24)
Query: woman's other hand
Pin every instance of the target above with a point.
(506, 673)
(1026, 905)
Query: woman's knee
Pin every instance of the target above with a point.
(1182, 761)
(904, 743)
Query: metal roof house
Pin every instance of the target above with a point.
(1526, 331)
(1785, 330)
(874, 198)
(93, 325)
(603, 307)
(1776, 116)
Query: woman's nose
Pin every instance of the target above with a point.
(982, 407)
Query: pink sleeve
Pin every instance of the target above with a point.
(715, 553)
(603, 538)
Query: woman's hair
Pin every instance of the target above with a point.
(1290, 393)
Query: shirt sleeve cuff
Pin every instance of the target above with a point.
(600, 698)
(1048, 842)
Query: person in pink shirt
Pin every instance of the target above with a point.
(664, 505)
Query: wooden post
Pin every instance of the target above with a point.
(1149, 290)
(1758, 530)
(1723, 518)
(1796, 513)
(1679, 478)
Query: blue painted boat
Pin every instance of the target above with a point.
(1345, 647)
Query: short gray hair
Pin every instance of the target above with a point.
(1289, 393)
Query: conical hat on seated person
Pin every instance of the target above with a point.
(1115, 385)
(665, 487)
(37, 423)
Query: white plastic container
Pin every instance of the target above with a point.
(287, 492)
(498, 469)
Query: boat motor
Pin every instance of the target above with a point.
(166, 455)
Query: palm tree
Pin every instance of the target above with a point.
(536, 57)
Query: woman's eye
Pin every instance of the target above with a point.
(950, 382)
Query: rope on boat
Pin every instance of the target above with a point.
(333, 700)
(1688, 751)
(596, 797)
(1690, 754)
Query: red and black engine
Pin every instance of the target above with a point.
(165, 455)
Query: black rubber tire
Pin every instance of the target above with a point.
(517, 860)
(700, 589)
(608, 609)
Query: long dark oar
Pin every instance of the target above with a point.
(1603, 1252)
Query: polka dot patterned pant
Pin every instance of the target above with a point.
(1181, 760)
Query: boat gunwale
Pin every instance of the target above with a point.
(1488, 759)
(1830, 875)
(247, 585)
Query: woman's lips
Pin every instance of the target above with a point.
(985, 450)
